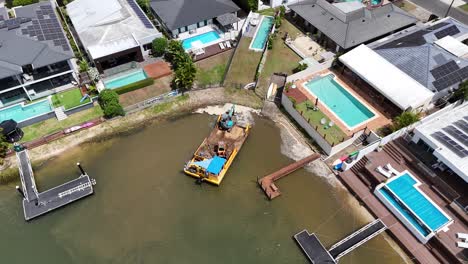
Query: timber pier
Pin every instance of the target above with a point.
(37, 203)
(267, 183)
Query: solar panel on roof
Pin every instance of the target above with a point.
(457, 134)
(450, 31)
(450, 144)
(463, 125)
(143, 18)
(451, 79)
(444, 69)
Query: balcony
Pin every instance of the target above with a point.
(46, 71)
(8, 82)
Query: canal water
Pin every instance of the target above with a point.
(145, 210)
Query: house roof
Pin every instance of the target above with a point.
(106, 27)
(26, 39)
(358, 25)
(394, 84)
(448, 122)
(415, 52)
(180, 13)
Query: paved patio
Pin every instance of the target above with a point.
(158, 69)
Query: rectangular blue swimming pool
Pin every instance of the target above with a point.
(261, 37)
(125, 79)
(204, 38)
(21, 113)
(347, 107)
(405, 190)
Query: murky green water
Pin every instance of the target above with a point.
(145, 210)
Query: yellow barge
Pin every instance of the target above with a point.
(215, 155)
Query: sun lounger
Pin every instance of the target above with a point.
(462, 244)
(385, 173)
(463, 236)
(391, 169)
(228, 44)
(221, 46)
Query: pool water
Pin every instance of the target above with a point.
(21, 113)
(349, 109)
(373, 2)
(126, 79)
(205, 38)
(263, 31)
(425, 209)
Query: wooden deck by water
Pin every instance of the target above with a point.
(267, 182)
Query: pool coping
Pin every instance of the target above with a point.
(220, 39)
(416, 187)
(23, 105)
(120, 75)
(337, 80)
(256, 32)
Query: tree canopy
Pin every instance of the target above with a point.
(109, 102)
(405, 119)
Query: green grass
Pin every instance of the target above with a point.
(211, 70)
(52, 125)
(68, 99)
(164, 107)
(464, 7)
(334, 134)
(281, 58)
(244, 64)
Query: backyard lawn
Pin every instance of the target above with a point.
(160, 86)
(244, 65)
(464, 7)
(52, 125)
(334, 134)
(281, 58)
(68, 99)
(211, 70)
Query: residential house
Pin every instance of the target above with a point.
(179, 16)
(113, 32)
(342, 26)
(35, 55)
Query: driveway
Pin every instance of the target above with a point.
(440, 7)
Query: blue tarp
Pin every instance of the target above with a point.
(204, 163)
(216, 165)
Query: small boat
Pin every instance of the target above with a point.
(214, 156)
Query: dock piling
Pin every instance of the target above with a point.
(81, 168)
(20, 191)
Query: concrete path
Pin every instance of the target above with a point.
(440, 7)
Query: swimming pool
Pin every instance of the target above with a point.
(204, 38)
(21, 112)
(404, 198)
(373, 2)
(125, 79)
(339, 101)
(261, 36)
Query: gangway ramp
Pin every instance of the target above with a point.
(357, 238)
(317, 253)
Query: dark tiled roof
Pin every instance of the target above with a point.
(180, 13)
(35, 37)
(353, 28)
(414, 52)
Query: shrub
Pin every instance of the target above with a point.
(253, 5)
(159, 46)
(278, 21)
(83, 65)
(270, 42)
(109, 102)
(3, 147)
(461, 93)
(282, 11)
(23, 2)
(134, 86)
(300, 67)
(405, 119)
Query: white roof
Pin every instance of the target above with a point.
(106, 27)
(453, 45)
(394, 84)
(437, 123)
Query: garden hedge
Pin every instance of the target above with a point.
(134, 86)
